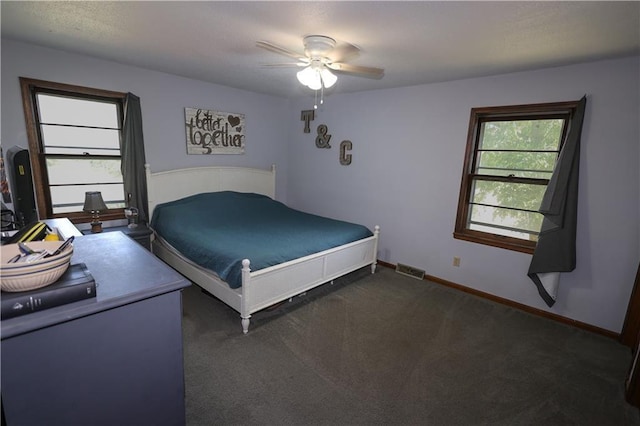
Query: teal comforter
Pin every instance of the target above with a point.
(217, 230)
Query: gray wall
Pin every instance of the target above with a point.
(163, 98)
(408, 148)
(408, 151)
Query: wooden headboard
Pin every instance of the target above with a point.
(175, 184)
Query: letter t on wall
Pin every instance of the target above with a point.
(307, 116)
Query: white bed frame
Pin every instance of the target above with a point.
(264, 287)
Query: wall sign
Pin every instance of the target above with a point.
(345, 146)
(307, 116)
(323, 137)
(214, 132)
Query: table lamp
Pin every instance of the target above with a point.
(94, 204)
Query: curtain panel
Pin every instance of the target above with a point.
(556, 248)
(133, 158)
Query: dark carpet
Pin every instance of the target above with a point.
(386, 349)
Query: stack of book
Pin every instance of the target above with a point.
(74, 285)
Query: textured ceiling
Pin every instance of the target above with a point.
(415, 42)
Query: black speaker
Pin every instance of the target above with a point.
(21, 181)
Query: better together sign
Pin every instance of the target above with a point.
(214, 132)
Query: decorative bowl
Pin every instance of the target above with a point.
(23, 276)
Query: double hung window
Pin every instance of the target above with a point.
(74, 141)
(510, 157)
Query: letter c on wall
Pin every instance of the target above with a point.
(345, 159)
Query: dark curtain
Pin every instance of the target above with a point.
(133, 159)
(556, 248)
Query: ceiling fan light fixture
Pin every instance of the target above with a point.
(310, 77)
(316, 77)
(322, 55)
(328, 78)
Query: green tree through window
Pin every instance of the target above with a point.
(511, 153)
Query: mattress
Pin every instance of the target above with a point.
(217, 230)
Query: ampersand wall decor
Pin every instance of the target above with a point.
(322, 140)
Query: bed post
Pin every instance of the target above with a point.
(273, 180)
(244, 304)
(376, 233)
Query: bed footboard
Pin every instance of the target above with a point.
(268, 286)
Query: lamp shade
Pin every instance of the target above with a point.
(93, 202)
(315, 76)
(310, 77)
(328, 78)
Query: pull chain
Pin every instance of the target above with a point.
(315, 98)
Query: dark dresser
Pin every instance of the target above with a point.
(113, 360)
(140, 234)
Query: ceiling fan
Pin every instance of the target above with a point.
(322, 55)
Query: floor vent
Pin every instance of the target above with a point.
(409, 271)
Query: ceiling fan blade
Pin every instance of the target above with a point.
(343, 52)
(357, 69)
(286, 65)
(281, 50)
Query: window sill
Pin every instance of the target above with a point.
(498, 241)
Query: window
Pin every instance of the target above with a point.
(510, 156)
(74, 142)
